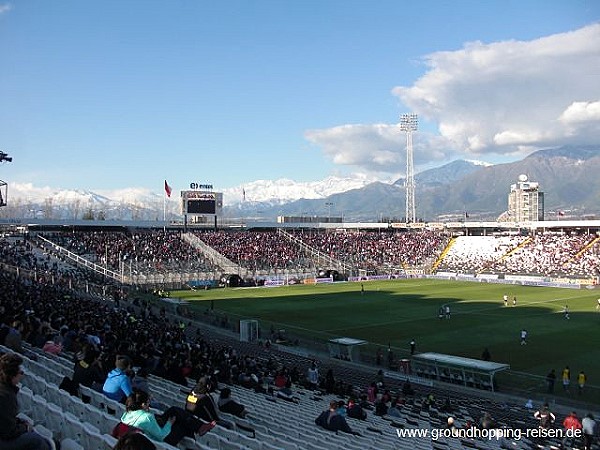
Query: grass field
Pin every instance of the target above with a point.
(397, 311)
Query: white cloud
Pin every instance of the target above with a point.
(503, 98)
(579, 112)
(29, 192)
(357, 144)
(516, 137)
(4, 8)
(379, 148)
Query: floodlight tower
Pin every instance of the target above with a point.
(408, 124)
(3, 184)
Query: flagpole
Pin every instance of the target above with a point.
(165, 195)
(165, 201)
(243, 206)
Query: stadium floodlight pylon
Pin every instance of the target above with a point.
(408, 124)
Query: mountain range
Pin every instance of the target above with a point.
(567, 175)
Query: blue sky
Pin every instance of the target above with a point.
(113, 94)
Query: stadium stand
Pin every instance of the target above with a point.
(377, 252)
(262, 250)
(542, 254)
(177, 354)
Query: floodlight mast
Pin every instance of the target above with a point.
(3, 184)
(5, 157)
(408, 124)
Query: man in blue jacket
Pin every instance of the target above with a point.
(117, 385)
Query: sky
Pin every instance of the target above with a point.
(116, 94)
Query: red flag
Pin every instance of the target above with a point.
(168, 189)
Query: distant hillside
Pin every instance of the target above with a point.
(446, 174)
(567, 175)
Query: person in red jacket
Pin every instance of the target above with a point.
(572, 429)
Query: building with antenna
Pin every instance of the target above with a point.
(525, 201)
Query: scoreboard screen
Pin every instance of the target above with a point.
(201, 206)
(202, 203)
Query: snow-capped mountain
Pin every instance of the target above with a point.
(567, 174)
(281, 191)
(26, 200)
(477, 162)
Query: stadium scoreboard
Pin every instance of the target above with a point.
(201, 203)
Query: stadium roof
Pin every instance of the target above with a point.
(557, 225)
(456, 369)
(347, 341)
(464, 363)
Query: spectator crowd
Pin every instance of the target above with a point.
(107, 338)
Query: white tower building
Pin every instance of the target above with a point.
(525, 201)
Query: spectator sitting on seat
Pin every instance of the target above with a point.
(201, 404)
(395, 407)
(230, 406)
(355, 410)
(451, 424)
(286, 392)
(252, 381)
(429, 400)
(137, 415)
(487, 422)
(342, 410)
(294, 375)
(88, 371)
(372, 392)
(15, 434)
(177, 423)
(117, 385)
(134, 441)
(14, 339)
(332, 420)
(280, 379)
(364, 402)
(53, 345)
(245, 379)
(381, 405)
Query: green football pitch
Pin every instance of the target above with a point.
(394, 312)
